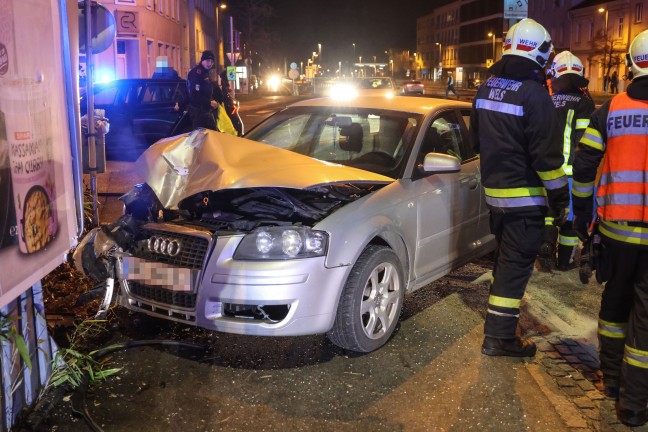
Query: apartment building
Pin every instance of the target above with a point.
(151, 34)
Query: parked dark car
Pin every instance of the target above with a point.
(412, 87)
(140, 111)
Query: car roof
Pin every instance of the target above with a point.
(421, 105)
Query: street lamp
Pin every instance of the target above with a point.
(605, 34)
(440, 58)
(319, 52)
(493, 36)
(220, 6)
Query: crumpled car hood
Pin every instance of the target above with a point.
(204, 160)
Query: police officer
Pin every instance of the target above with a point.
(617, 139)
(201, 89)
(513, 127)
(573, 108)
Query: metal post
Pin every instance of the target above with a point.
(92, 149)
(233, 57)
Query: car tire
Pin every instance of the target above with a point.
(371, 301)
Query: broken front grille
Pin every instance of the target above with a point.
(191, 254)
(178, 299)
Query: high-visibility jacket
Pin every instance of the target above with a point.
(573, 111)
(617, 135)
(513, 125)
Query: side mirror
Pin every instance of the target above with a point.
(437, 163)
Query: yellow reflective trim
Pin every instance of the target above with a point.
(636, 351)
(634, 362)
(549, 220)
(610, 334)
(582, 185)
(551, 175)
(590, 143)
(582, 123)
(567, 138)
(624, 238)
(515, 192)
(582, 194)
(622, 325)
(504, 302)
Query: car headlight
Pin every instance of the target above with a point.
(281, 243)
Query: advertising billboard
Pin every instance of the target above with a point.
(37, 206)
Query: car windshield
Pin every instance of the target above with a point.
(375, 83)
(369, 139)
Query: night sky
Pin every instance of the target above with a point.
(373, 25)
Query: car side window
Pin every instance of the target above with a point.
(159, 94)
(105, 96)
(443, 136)
(468, 151)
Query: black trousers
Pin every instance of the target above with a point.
(625, 300)
(519, 237)
(201, 118)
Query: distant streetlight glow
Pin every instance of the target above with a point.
(605, 35)
(493, 36)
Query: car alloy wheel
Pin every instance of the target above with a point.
(371, 301)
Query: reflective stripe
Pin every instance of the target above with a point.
(500, 107)
(582, 123)
(516, 202)
(582, 190)
(549, 220)
(491, 311)
(567, 240)
(510, 303)
(551, 175)
(592, 138)
(624, 122)
(624, 177)
(515, 192)
(557, 183)
(568, 169)
(636, 357)
(567, 133)
(624, 233)
(621, 199)
(612, 330)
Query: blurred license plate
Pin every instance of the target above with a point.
(158, 274)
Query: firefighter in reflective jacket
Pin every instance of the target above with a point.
(521, 160)
(573, 108)
(617, 139)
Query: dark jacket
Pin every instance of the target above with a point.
(513, 129)
(200, 88)
(573, 109)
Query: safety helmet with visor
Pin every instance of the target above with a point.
(637, 57)
(530, 40)
(565, 63)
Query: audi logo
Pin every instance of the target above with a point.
(164, 246)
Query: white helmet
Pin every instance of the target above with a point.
(637, 57)
(530, 40)
(566, 62)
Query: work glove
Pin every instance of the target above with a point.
(581, 225)
(560, 215)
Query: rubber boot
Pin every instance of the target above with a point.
(500, 338)
(565, 257)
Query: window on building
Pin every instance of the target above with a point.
(149, 4)
(620, 28)
(590, 32)
(638, 12)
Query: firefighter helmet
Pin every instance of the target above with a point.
(637, 57)
(530, 40)
(566, 62)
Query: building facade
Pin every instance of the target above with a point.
(155, 34)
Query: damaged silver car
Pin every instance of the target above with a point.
(319, 221)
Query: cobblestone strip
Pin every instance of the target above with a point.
(574, 367)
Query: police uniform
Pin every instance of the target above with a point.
(201, 92)
(616, 142)
(513, 128)
(573, 110)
